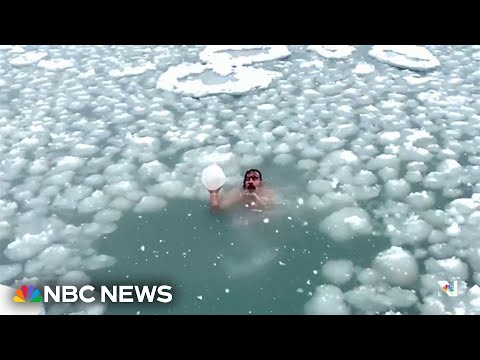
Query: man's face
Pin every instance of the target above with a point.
(252, 181)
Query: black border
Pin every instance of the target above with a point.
(435, 334)
(239, 23)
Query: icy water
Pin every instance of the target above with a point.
(226, 263)
(373, 153)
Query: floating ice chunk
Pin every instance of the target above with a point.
(170, 188)
(417, 80)
(420, 138)
(5, 230)
(307, 164)
(363, 69)
(28, 245)
(244, 147)
(473, 259)
(281, 149)
(121, 204)
(397, 266)
(52, 260)
(84, 150)
(121, 188)
(452, 267)
(30, 142)
(417, 166)
(250, 160)
(397, 189)
(56, 64)
(330, 143)
(437, 218)
(338, 271)
(364, 177)
(68, 163)
(74, 277)
(119, 169)
(7, 209)
(9, 272)
(464, 206)
(96, 202)
(316, 63)
(420, 200)
(327, 300)
(215, 157)
(63, 203)
(39, 166)
(342, 157)
(87, 74)
(433, 306)
(95, 181)
(333, 51)
(437, 236)
(150, 204)
(152, 169)
(77, 192)
(361, 193)
(346, 223)
(373, 300)
(236, 55)
(236, 80)
(413, 231)
(434, 180)
(369, 299)
(441, 251)
(405, 56)
(448, 166)
(132, 70)
(401, 297)
(412, 153)
(107, 216)
(331, 202)
(144, 141)
(382, 161)
(28, 58)
(96, 262)
(283, 159)
(312, 94)
(319, 186)
(413, 176)
(368, 276)
(344, 131)
(95, 229)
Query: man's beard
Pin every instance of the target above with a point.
(251, 188)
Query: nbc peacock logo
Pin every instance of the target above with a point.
(27, 294)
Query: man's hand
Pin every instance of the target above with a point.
(214, 192)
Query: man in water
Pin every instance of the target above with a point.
(254, 194)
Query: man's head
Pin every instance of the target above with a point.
(252, 180)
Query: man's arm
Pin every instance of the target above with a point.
(228, 201)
